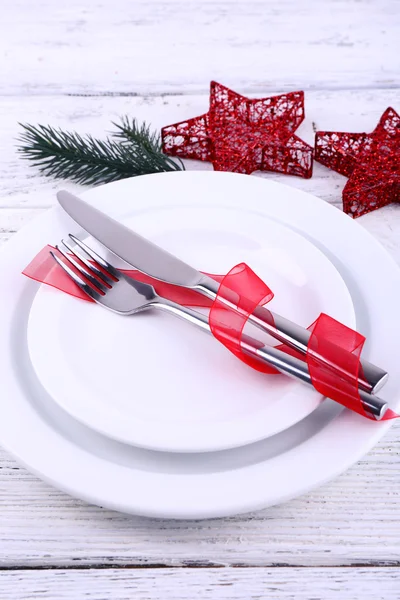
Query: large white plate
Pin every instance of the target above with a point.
(154, 381)
(87, 465)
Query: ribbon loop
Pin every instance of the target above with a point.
(239, 294)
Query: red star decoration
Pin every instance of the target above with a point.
(370, 160)
(243, 135)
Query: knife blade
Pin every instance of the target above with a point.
(149, 258)
(130, 246)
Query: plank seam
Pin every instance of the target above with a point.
(198, 92)
(161, 566)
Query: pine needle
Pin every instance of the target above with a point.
(88, 160)
(131, 131)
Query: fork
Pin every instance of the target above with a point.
(124, 295)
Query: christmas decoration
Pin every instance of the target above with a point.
(135, 150)
(243, 135)
(370, 160)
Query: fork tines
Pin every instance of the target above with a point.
(97, 271)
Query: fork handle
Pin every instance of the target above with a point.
(297, 338)
(284, 363)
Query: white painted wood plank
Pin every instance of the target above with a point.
(354, 520)
(4, 237)
(204, 584)
(332, 526)
(12, 219)
(156, 46)
(21, 186)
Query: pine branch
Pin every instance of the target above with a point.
(141, 137)
(88, 160)
(130, 131)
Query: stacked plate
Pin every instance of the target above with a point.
(146, 414)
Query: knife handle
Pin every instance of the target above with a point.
(297, 338)
(296, 368)
(283, 362)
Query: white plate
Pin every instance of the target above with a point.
(91, 467)
(156, 382)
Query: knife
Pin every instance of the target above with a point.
(160, 264)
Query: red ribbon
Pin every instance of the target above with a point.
(337, 344)
(244, 291)
(342, 347)
(241, 291)
(44, 269)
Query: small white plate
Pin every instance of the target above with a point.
(89, 466)
(153, 381)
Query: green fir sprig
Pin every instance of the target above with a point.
(133, 150)
(129, 131)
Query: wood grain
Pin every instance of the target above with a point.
(174, 46)
(22, 187)
(354, 520)
(204, 584)
(44, 527)
(4, 237)
(80, 65)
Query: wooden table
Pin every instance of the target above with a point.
(80, 65)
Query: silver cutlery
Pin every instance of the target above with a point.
(114, 290)
(160, 264)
